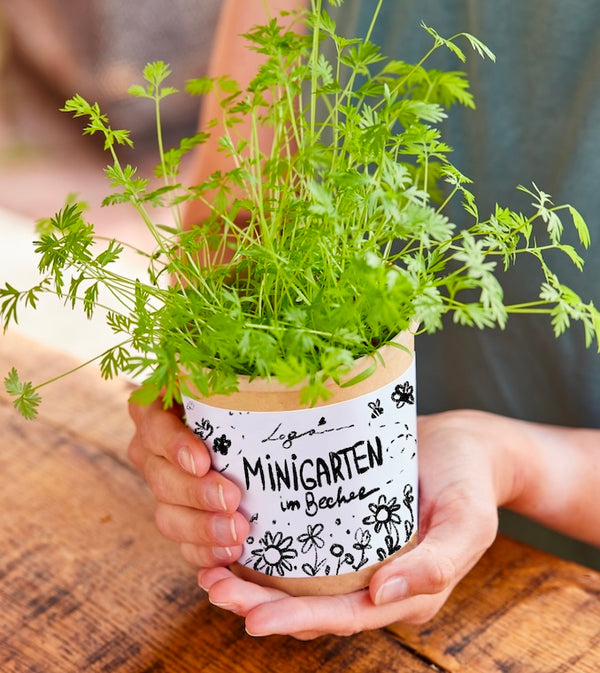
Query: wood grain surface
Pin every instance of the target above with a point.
(519, 610)
(87, 584)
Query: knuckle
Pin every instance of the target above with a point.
(156, 480)
(489, 526)
(442, 574)
(422, 609)
(195, 555)
(423, 615)
(194, 495)
(145, 431)
(189, 553)
(134, 411)
(162, 521)
(133, 453)
(354, 619)
(348, 631)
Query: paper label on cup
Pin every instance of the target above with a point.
(327, 490)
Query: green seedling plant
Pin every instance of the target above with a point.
(321, 244)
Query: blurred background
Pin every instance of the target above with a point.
(50, 50)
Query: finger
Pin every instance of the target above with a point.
(207, 577)
(227, 591)
(344, 615)
(207, 556)
(310, 616)
(183, 524)
(136, 453)
(270, 611)
(212, 492)
(162, 432)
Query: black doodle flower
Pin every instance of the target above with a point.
(312, 538)
(221, 445)
(403, 394)
(337, 550)
(384, 515)
(204, 429)
(343, 557)
(362, 542)
(274, 555)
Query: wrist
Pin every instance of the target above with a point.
(500, 441)
(544, 472)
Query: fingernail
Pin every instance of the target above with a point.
(186, 460)
(201, 583)
(222, 553)
(394, 589)
(224, 529)
(215, 498)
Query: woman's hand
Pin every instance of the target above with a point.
(462, 482)
(196, 506)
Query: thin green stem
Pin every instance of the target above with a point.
(81, 365)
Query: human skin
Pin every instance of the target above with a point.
(231, 57)
(471, 463)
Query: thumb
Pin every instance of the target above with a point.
(450, 548)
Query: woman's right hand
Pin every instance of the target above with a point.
(196, 506)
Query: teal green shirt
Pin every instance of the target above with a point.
(537, 119)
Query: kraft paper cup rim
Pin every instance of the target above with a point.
(269, 394)
(321, 585)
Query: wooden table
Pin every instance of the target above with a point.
(87, 584)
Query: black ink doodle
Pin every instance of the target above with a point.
(403, 394)
(408, 500)
(312, 540)
(376, 408)
(204, 429)
(384, 515)
(391, 547)
(274, 555)
(343, 557)
(362, 543)
(221, 445)
(287, 439)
